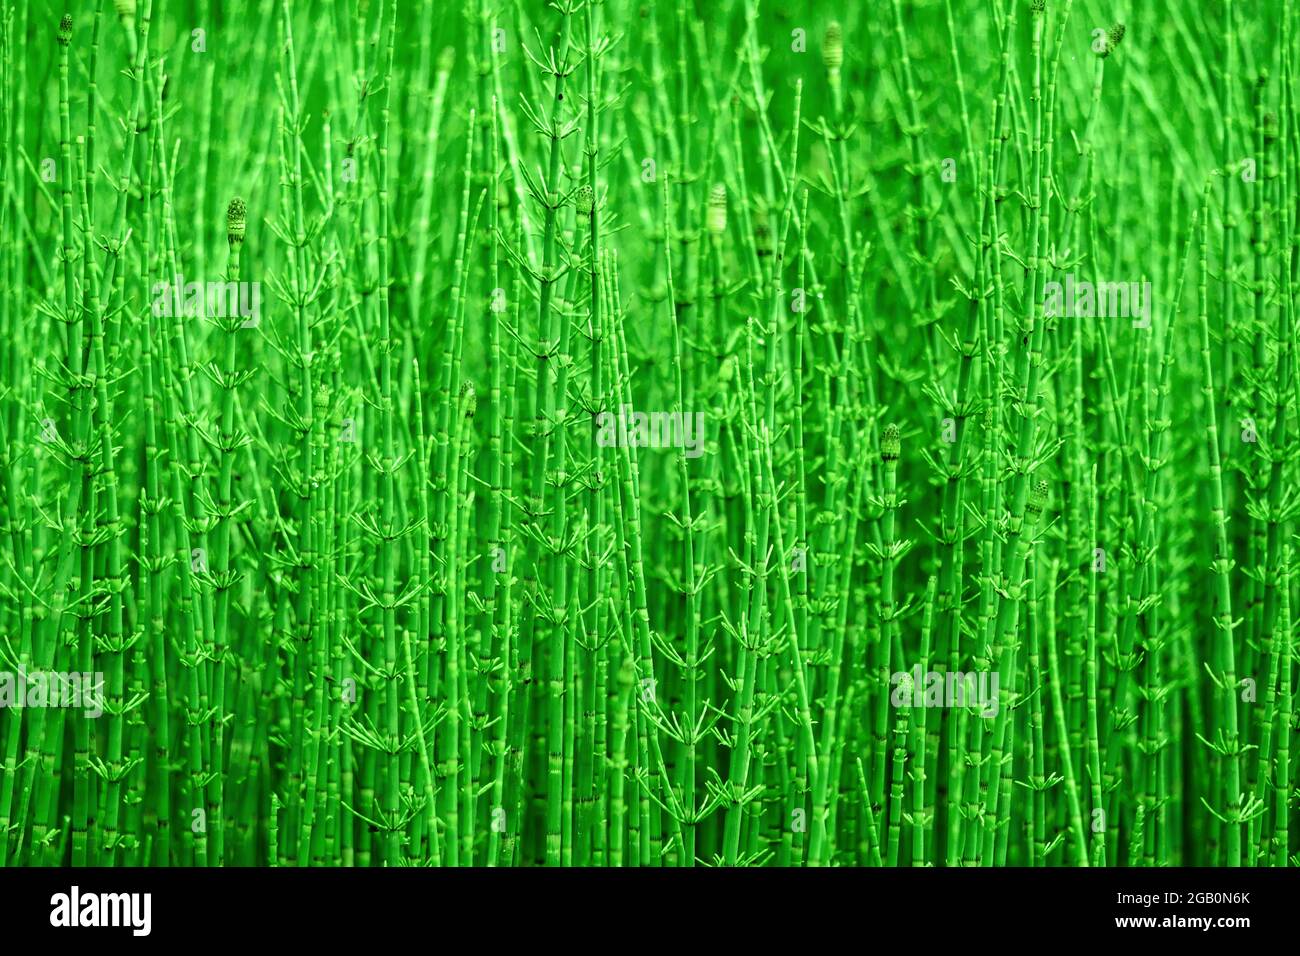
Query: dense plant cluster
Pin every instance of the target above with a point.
(680, 433)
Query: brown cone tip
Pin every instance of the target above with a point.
(890, 445)
(235, 220)
(1038, 496)
(65, 29)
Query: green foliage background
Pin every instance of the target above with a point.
(365, 583)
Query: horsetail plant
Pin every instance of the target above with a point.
(660, 444)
